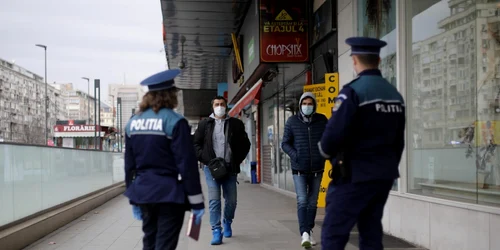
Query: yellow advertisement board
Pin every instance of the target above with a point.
(487, 132)
(325, 94)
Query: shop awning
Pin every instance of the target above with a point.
(252, 95)
(78, 134)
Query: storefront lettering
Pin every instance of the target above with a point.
(290, 50)
(283, 28)
(314, 89)
(80, 128)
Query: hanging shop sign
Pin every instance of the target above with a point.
(283, 31)
(325, 98)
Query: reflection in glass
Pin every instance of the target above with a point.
(282, 158)
(50, 176)
(454, 100)
(377, 19)
(293, 91)
(267, 134)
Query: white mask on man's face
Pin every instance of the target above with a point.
(220, 111)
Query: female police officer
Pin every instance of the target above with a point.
(161, 170)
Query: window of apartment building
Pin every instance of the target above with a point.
(463, 163)
(377, 19)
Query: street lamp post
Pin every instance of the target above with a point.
(119, 122)
(46, 97)
(88, 97)
(113, 102)
(97, 112)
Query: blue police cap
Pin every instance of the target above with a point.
(161, 80)
(365, 45)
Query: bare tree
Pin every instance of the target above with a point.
(33, 132)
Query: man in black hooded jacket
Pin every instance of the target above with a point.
(300, 139)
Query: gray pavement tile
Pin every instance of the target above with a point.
(264, 220)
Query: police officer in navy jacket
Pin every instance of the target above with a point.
(161, 170)
(366, 136)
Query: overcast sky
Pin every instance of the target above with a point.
(113, 40)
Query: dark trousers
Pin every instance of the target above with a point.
(161, 224)
(351, 203)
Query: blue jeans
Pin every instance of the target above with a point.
(307, 189)
(214, 192)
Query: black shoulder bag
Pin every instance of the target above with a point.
(218, 167)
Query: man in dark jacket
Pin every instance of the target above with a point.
(302, 134)
(221, 136)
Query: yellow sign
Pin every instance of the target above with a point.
(283, 16)
(236, 48)
(325, 94)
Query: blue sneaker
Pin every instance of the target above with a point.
(228, 231)
(217, 237)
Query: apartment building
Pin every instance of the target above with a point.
(79, 104)
(130, 96)
(107, 115)
(22, 109)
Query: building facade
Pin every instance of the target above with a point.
(130, 96)
(107, 115)
(22, 109)
(79, 104)
(444, 57)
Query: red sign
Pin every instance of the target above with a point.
(283, 31)
(75, 128)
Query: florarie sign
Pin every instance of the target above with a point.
(74, 128)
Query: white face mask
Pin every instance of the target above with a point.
(220, 111)
(307, 109)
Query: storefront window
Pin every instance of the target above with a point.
(377, 19)
(268, 135)
(454, 100)
(292, 93)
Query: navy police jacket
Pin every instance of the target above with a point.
(300, 140)
(367, 125)
(160, 161)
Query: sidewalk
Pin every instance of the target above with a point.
(264, 220)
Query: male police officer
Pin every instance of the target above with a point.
(366, 137)
(161, 171)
